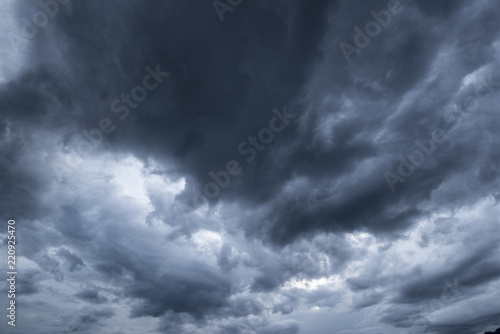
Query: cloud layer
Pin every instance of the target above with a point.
(170, 172)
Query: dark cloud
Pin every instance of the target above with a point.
(310, 224)
(72, 261)
(28, 283)
(91, 296)
(367, 300)
(180, 294)
(87, 320)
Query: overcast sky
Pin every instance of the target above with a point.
(251, 167)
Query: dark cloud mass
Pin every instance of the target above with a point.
(236, 166)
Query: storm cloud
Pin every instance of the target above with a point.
(233, 166)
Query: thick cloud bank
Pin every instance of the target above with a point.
(236, 166)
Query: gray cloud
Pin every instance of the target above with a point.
(115, 234)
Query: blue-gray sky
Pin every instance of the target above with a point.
(237, 166)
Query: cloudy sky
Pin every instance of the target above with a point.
(251, 167)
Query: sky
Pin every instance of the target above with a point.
(251, 167)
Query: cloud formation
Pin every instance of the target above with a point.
(173, 172)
